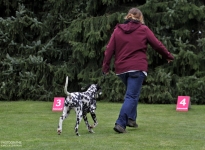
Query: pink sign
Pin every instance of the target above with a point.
(183, 103)
(58, 103)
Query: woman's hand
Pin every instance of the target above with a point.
(169, 60)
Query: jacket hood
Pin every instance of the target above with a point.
(129, 26)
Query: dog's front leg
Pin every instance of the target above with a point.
(89, 127)
(63, 116)
(93, 115)
(78, 111)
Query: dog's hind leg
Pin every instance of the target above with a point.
(66, 111)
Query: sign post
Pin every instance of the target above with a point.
(58, 103)
(183, 103)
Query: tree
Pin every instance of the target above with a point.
(180, 25)
(44, 41)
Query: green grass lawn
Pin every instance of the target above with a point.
(161, 127)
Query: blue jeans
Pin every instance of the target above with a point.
(133, 82)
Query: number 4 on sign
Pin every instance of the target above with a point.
(183, 103)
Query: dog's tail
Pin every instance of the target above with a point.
(66, 86)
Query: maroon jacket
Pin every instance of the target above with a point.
(128, 43)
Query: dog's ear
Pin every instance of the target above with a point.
(98, 86)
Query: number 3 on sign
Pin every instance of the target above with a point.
(58, 103)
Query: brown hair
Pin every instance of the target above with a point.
(135, 14)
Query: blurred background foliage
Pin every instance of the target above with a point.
(43, 41)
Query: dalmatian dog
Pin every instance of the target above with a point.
(82, 103)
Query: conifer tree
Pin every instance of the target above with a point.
(180, 25)
(44, 41)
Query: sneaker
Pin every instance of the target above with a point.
(119, 129)
(132, 123)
